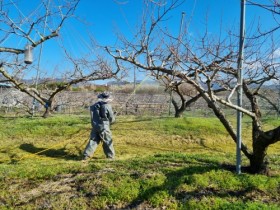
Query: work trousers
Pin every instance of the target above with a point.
(97, 137)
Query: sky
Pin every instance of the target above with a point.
(103, 19)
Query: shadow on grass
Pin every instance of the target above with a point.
(14, 117)
(49, 152)
(175, 178)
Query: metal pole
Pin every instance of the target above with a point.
(170, 102)
(278, 101)
(134, 79)
(240, 89)
(179, 38)
(278, 111)
(39, 61)
(181, 25)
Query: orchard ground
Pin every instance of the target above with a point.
(161, 163)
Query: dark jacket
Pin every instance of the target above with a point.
(102, 116)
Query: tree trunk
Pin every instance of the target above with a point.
(48, 106)
(261, 141)
(179, 110)
(258, 165)
(179, 113)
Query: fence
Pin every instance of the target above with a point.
(70, 102)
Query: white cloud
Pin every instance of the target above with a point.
(276, 54)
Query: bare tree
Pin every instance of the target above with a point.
(272, 7)
(43, 24)
(271, 96)
(186, 97)
(20, 26)
(208, 64)
(98, 70)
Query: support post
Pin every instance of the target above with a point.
(179, 40)
(240, 89)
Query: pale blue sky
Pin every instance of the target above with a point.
(104, 18)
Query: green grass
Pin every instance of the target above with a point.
(161, 163)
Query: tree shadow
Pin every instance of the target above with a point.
(14, 117)
(49, 152)
(175, 178)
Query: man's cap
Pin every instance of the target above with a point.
(103, 95)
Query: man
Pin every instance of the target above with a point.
(102, 117)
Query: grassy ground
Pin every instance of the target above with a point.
(162, 163)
